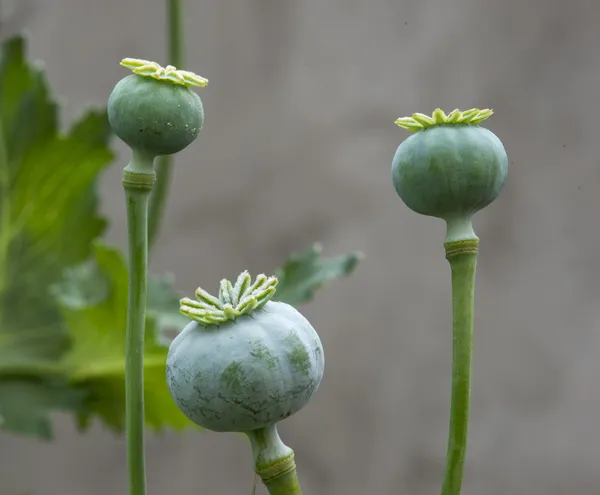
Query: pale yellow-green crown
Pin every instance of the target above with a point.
(169, 73)
(419, 121)
(234, 300)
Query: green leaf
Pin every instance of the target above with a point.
(25, 403)
(27, 113)
(96, 361)
(303, 273)
(48, 220)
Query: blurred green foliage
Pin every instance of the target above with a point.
(63, 291)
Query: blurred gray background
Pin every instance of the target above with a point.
(297, 145)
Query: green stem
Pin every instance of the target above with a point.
(174, 16)
(138, 178)
(274, 461)
(164, 167)
(462, 256)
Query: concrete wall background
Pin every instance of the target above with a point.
(297, 146)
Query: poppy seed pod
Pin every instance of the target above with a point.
(450, 167)
(245, 362)
(154, 110)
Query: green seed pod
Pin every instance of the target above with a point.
(245, 362)
(450, 167)
(154, 110)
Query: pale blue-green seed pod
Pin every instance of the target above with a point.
(245, 362)
(450, 167)
(153, 110)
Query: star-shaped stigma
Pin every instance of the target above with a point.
(234, 300)
(147, 68)
(419, 121)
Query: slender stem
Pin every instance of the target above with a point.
(164, 167)
(462, 256)
(274, 462)
(158, 198)
(175, 34)
(138, 178)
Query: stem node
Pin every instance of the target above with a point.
(138, 181)
(274, 461)
(457, 247)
